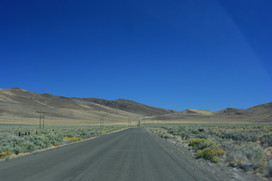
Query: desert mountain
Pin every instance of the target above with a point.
(20, 104)
(230, 111)
(188, 113)
(130, 106)
(260, 113)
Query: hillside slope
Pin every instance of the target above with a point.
(19, 106)
(130, 106)
(24, 107)
(260, 113)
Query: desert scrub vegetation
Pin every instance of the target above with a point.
(206, 149)
(201, 143)
(22, 140)
(4, 154)
(211, 154)
(245, 146)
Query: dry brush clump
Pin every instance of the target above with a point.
(245, 146)
(4, 154)
(206, 149)
(212, 154)
(201, 143)
(72, 139)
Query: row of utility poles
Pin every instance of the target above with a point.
(101, 122)
(143, 121)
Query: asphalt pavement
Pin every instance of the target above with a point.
(130, 155)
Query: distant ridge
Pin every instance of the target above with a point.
(24, 107)
(20, 103)
(259, 113)
(130, 106)
(230, 111)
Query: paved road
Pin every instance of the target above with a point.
(129, 155)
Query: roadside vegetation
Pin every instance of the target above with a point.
(14, 141)
(245, 146)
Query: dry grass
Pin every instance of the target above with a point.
(5, 154)
(72, 139)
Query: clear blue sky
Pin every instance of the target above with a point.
(198, 54)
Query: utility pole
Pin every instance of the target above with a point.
(41, 120)
(101, 124)
(40, 123)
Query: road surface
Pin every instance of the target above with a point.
(129, 155)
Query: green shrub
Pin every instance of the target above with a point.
(254, 153)
(247, 156)
(211, 154)
(175, 130)
(266, 139)
(201, 143)
(5, 154)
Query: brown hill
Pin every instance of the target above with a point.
(22, 107)
(260, 109)
(19, 105)
(130, 106)
(186, 114)
(230, 111)
(260, 113)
